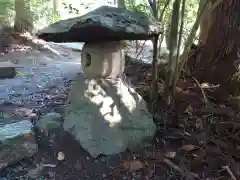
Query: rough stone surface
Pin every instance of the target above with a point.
(103, 23)
(7, 70)
(48, 127)
(49, 121)
(16, 142)
(102, 59)
(107, 117)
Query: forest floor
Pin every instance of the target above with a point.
(196, 139)
(203, 135)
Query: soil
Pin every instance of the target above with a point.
(196, 139)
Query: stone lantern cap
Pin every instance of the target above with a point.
(103, 24)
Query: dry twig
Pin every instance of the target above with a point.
(229, 172)
(202, 91)
(177, 168)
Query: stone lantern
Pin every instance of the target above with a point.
(103, 59)
(103, 113)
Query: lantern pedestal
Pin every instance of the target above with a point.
(104, 114)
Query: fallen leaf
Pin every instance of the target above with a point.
(26, 135)
(189, 109)
(183, 84)
(188, 147)
(60, 156)
(170, 154)
(205, 85)
(133, 165)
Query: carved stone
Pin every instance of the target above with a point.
(103, 60)
(103, 24)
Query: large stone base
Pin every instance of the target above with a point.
(107, 116)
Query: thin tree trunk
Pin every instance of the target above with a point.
(121, 3)
(23, 18)
(57, 5)
(205, 21)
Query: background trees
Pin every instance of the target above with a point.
(23, 17)
(218, 62)
(28, 15)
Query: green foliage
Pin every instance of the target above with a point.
(177, 37)
(190, 12)
(4, 4)
(70, 9)
(42, 9)
(6, 11)
(143, 7)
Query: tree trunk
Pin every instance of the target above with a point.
(23, 17)
(220, 57)
(121, 3)
(57, 5)
(205, 22)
